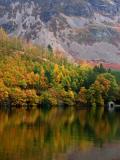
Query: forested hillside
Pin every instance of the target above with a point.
(35, 76)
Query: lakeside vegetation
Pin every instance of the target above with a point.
(34, 76)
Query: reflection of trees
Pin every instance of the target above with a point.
(55, 131)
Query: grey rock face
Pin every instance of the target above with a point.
(84, 29)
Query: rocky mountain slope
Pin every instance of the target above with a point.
(83, 29)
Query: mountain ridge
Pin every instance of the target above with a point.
(82, 29)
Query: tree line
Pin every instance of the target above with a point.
(34, 76)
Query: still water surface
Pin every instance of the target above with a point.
(59, 134)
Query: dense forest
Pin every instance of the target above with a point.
(34, 76)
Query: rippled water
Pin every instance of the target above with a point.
(59, 134)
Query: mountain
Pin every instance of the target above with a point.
(82, 29)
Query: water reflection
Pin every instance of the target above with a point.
(56, 134)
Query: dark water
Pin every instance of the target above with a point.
(59, 134)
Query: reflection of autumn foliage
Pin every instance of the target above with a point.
(56, 131)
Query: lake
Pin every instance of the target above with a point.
(59, 134)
